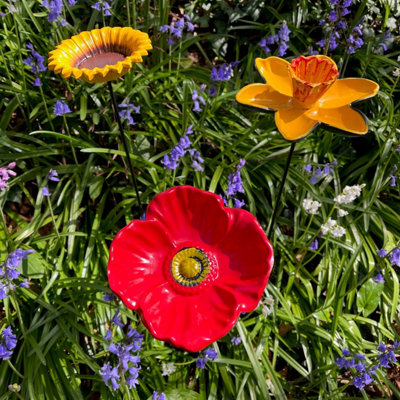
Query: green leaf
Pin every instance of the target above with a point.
(368, 296)
(95, 187)
(34, 266)
(181, 394)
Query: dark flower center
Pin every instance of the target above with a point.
(190, 266)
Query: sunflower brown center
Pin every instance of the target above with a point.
(100, 60)
(190, 266)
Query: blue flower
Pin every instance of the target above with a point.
(394, 256)
(8, 341)
(160, 397)
(103, 6)
(125, 114)
(379, 278)
(382, 253)
(314, 245)
(61, 108)
(236, 340)
(117, 320)
(110, 374)
(46, 192)
(52, 175)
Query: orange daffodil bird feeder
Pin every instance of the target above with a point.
(305, 93)
(101, 55)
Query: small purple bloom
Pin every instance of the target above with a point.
(5, 174)
(382, 253)
(52, 175)
(201, 362)
(117, 320)
(211, 354)
(108, 297)
(236, 340)
(379, 278)
(394, 256)
(314, 245)
(46, 191)
(61, 108)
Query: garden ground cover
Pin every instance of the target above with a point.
(328, 324)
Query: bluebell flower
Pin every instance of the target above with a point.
(72, 2)
(110, 374)
(308, 168)
(126, 112)
(236, 340)
(176, 28)
(8, 341)
(223, 72)
(201, 362)
(54, 8)
(208, 354)
(108, 297)
(158, 397)
(235, 186)
(211, 353)
(117, 320)
(103, 6)
(61, 108)
(35, 63)
(52, 175)
(314, 245)
(379, 278)
(5, 175)
(46, 192)
(394, 256)
(382, 253)
(10, 271)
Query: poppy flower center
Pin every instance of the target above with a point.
(311, 78)
(99, 60)
(190, 266)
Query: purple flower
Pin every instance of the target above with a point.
(72, 2)
(160, 397)
(394, 256)
(125, 114)
(108, 297)
(61, 108)
(393, 181)
(345, 352)
(211, 354)
(236, 341)
(223, 72)
(379, 278)
(35, 63)
(117, 320)
(54, 8)
(308, 168)
(110, 374)
(314, 245)
(382, 253)
(8, 341)
(201, 362)
(46, 191)
(5, 174)
(102, 6)
(52, 175)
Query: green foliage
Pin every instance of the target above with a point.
(324, 300)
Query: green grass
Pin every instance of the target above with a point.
(322, 299)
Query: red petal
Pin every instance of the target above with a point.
(189, 322)
(137, 256)
(245, 257)
(190, 214)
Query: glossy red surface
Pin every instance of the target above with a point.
(240, 255)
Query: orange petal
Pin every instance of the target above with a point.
(262, 96)
(343, 118)
(346, 91)
(276, 72)
(293, 123)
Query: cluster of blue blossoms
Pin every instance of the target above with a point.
(209, 354)
(10, 272)
(55, 9)
(103, 6)
(8, 341)
(35, 62)
(52, 175)
(280, 39)
(171, 160)
(235, 186)
(176, 28)
(319, 172)
(361, 373)
(126, 112)
(127, 354)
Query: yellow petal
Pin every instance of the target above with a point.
(263, 96)
(343, 118)
(276, 72)
(293, 123)
(346, 91)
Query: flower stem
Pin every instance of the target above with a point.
(278, 197)
(124, 141)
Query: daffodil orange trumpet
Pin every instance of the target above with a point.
(305, 93)
(100, 55)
